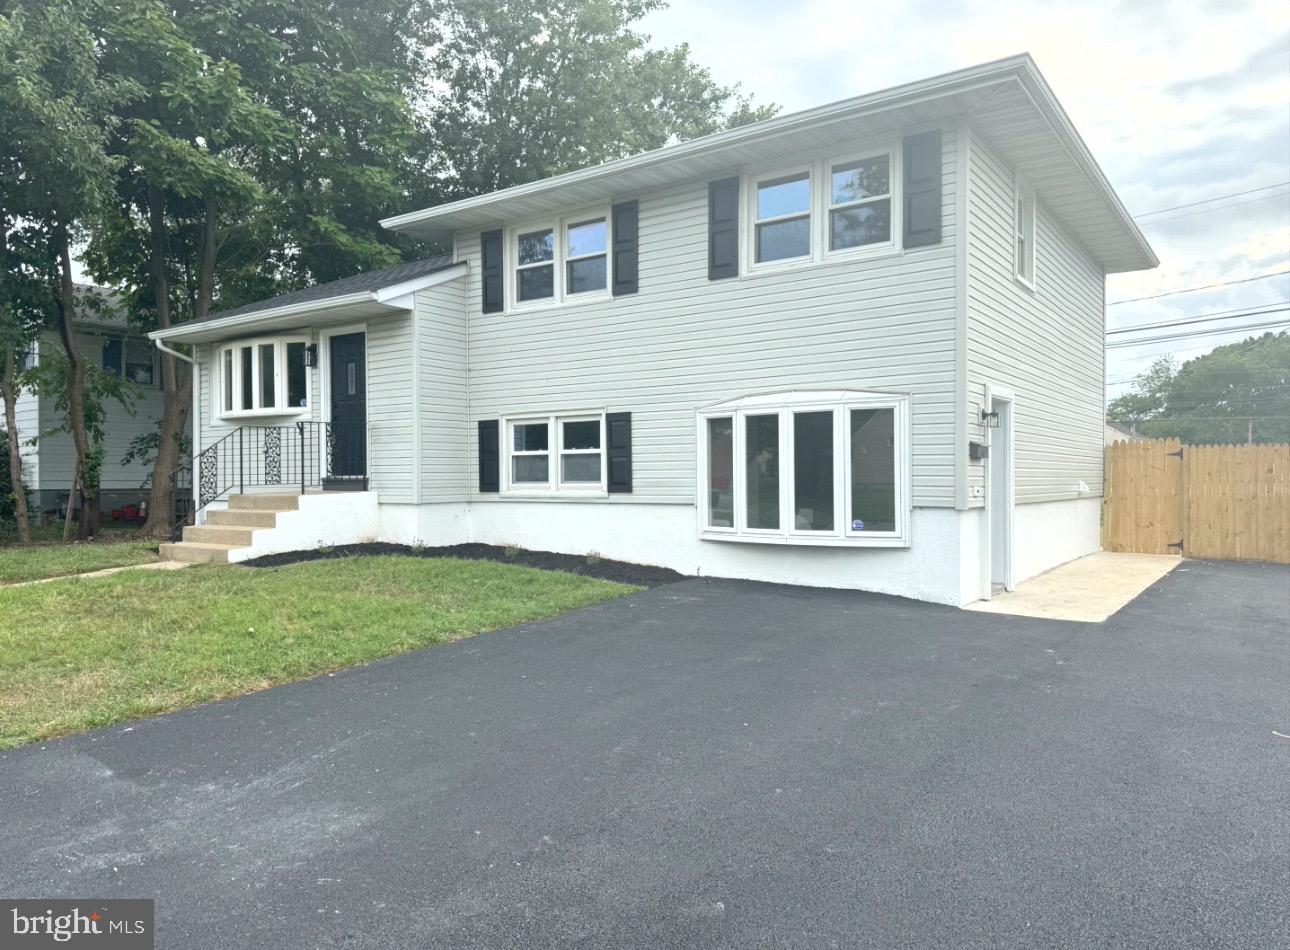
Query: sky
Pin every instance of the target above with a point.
(1180, 102)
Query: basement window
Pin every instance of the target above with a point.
(826, 467)
(264, 377)
(559, 454)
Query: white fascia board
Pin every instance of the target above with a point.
(246, 320)
(425, 282)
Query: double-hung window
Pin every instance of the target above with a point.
(559, 260)
(826, 467)
(555, 454)
(860, 202)
(262, 377)
(130, 359)
(782, 222)
(1024, 233)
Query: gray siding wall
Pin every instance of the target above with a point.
(886, 323)
(1045, 345)
(442, 331)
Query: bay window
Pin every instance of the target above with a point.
(555, 454)
(262, 377)
(827, 467)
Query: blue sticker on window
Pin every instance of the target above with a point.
(857, 525)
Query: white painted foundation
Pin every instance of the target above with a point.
(1049, 533)
(323, 519)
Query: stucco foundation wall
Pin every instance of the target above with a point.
(433, 525)
(322, 520)
(1046, 534)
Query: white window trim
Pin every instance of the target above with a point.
(892, 196)
(572, 222)
(559, 227)
(786, 405)
(1024, 215)
(812, 218)
(821, 171)
(279, 409)
(554, 486)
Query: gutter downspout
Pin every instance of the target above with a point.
(197, 373)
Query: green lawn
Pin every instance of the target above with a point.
(74, 656)
(28, 562)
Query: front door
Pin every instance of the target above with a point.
(348, 407)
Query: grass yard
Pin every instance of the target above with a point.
(105, 650)
(29, 562)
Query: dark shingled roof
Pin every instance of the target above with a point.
(372, 280)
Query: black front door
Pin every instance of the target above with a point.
(348, 406)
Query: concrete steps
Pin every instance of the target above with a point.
(229, 529)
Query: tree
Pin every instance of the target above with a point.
(24, 308)
(54, 168)
(530, 88)
(1239, 392)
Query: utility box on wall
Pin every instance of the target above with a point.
(978, 451)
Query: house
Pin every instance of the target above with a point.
(857, 346)
(103, 337)
(1118, 432)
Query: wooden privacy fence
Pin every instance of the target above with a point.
(1214, 501)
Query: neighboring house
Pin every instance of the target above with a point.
(858, 346)
(1118, 432)
(48, 465)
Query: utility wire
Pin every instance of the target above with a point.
(1192, 290)
(1277, 306)
(1213, 210)
(1276, 324)
(1192, 204)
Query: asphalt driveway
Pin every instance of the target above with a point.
(714, 764)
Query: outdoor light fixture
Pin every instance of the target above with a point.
(990, 418)
(311, 355)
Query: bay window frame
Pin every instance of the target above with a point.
(787, 406)
(555, 485)
(232, 353)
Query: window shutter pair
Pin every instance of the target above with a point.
(624, 218)
(922, 209)
(618, 453)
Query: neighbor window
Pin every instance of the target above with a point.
(555, 454)
(535, 265)
(264, 377)
(1024, 228)
(782, 223)
(860, 202)
(130, 359)
(586, 254)
(826, 467)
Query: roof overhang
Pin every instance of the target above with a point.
(1007, 101)
(397, 298)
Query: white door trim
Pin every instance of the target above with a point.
(995, 393)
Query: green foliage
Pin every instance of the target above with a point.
(1225, 396)
(8, 504)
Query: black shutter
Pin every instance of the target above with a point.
(723, 228)
(491, 270)
(489, 449)
(618, 426)
(626, 216)
(923, 189)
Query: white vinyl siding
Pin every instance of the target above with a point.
(683, 341)
(1046, 345)
(393, 427)
(441, 349)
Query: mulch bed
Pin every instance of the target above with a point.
(639, 575)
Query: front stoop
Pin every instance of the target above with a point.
(231, 529)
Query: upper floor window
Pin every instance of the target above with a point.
(806, 468)
(1024, 233)
(783, 220)
(559, 260)
(860, 202)
(130, 359)
(262, 377)
(854, 209)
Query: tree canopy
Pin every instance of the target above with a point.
(1234, 393)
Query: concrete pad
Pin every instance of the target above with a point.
(105, 572)
(1087, 590)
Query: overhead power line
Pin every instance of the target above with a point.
(1205, 318)
(1211, 210)
(1275, 324)
(1192, 290)
(1193, 204)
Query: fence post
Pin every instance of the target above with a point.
(241, 460)
(300, 430)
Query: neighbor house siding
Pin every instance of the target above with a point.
(27, 417)
(1046, 345)
(682, 342)
(443, 405)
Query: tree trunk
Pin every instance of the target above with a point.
(176, 376)
(9, 389)
(66, 307)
